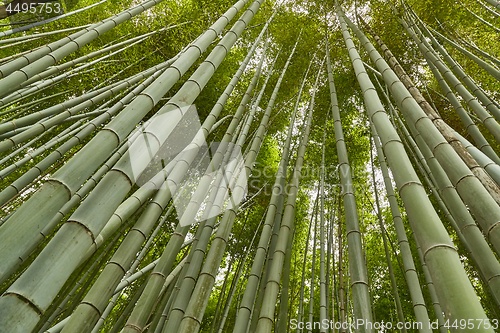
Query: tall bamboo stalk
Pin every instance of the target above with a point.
(388, 257)
(480, 94)
(410, 271)
(481, 63)
(323, 313)
(16, 72)
(300, 311)
(486, 118)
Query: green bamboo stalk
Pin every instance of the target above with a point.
(274, 236)
(494, 3)
(47, 230)
(430, 180)
(488, 8)
(409, 144)
(41, 85)
(465, 226)
(59, 68)
(227, 138)
(220, 302)
(196, 306)
(128, 309)
(482, 20)
(282, 323)
(39, 138)
(395, 292)
(300, 310)
(165, 300)
(277, 211)
(313, 273)
(357, 264)
(62, 111)
(330, 263)
(471, 45)
(489, 165)
(79, 138)
(77, 285)
(89, 310)
(37, 80)
(323, 313)
(342, 295)
(56, 192)
(168, 281)
(236, 279)
(164, 194)
(39, 34)
(25, 180)
(189, 281)
(410, 271)
(168, 305)
(456, 295)
(459, 72)
(24, 108)
(480, 62)
(61, 137)
(465, 118)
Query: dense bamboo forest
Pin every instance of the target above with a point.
(249, 166)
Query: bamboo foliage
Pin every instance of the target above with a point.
(89, 246)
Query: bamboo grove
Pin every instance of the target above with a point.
(250, 166)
